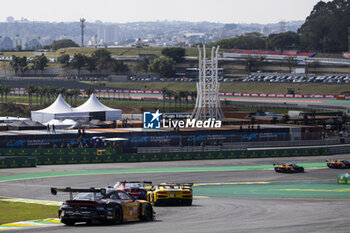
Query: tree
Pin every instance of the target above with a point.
(63, 59)
(175, 53)
(103, 59)
(284, 40)
(143, 65)
(90, 90)
(291, 62)
(252, 40)
(325, 29)
(254, 63)
(78, 62)
(14, 63)
(5, 90)
(90, 63)
(31, 89)
(119, 67)
(163, 66)
(65, 43)
(23, 65)
(40, 62)
(165, 93)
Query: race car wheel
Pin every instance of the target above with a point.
(68, 222)
(148, 214)
(117, 215)
(301, 169)
(187, 202)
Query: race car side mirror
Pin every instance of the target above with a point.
(53, 191)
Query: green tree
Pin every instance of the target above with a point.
(175, 53)
(40, 62)
(163, 66)
(65, 43)
(23, 65)
(14, 63)
(31, 89)
(5, 90)
(254, 63)
(325, 29)
(78, 62)
(284, 40)
(63, 59)
(291, 62)
(90, 63)
(89, 91)
(252, 40)
(119, 67)
(103, 59)
(143, 65)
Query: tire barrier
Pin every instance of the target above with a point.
(343, 178)
(53, 156)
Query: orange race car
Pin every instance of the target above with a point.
(288, 168)
(338, 164)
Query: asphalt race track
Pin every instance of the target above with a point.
(227, 208)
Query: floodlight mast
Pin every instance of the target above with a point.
(82, 25)
(208, 102)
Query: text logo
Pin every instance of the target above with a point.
(152, 120)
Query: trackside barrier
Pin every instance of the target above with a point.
(76, 156)
(16, 162)
(343, 178)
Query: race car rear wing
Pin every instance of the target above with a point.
(184, 185)
(70, 190)
(137, 182)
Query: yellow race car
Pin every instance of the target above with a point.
(170, 194)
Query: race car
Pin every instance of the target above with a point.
(288, 168)
(339, 164)
(134, 188)
(99, 205)
(170, 194)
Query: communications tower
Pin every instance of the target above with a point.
(208, 102)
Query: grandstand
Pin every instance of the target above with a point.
(279, 53)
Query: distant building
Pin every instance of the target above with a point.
(10, 19)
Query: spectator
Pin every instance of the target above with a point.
(53, 128)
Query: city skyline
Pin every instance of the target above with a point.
(228, 11)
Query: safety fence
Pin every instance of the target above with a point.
(79, 156)
(16, 161)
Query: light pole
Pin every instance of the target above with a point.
(82, 26)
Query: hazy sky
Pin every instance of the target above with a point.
(224, 11)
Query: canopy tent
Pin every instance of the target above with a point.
(20, 125)
(99, 123)
(81, 124)
(58, 110)
(91, 109)
(97, 110)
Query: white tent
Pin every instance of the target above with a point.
(91, 109)
(58, 110)
(98, 110)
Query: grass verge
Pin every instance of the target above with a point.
(14, 212)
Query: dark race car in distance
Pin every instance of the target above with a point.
(338, 164)
(102, 205)
(135, 189)
(288, 168)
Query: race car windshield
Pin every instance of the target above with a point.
(132, 185)
(87, 196)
